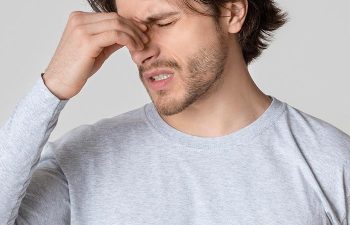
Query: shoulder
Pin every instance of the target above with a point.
(311, 126)
(323, 157)
(317, 138)
(102, 132)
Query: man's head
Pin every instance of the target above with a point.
(195, 41)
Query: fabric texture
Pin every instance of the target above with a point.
(287, 167)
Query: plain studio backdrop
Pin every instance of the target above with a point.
(306, 65)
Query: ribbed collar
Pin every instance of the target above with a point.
(242, 136)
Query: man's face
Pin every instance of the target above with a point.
(191, 48)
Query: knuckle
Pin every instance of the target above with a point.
(113, 14)
(74, 13)
(115, 23)
(109, 15)
(120, 22)
(75, 19)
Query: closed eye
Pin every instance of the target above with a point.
(163, 25)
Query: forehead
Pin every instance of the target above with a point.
(143, 9)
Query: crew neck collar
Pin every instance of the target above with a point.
(242, 136)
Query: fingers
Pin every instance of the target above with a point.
(92, 25)
(91, 17)
(87, 41)
(108, 51)
(117, 25)
(139, 28)
(112, 37)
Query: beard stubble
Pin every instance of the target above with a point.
(205, 69)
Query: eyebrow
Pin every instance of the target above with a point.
(159, 16)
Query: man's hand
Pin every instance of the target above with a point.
(87, 41)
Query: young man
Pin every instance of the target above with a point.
(211, 148)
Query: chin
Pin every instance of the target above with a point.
(167, 105)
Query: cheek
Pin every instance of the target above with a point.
(182, 42)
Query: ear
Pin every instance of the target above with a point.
(234, 13)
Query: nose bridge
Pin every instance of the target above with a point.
(149, 52)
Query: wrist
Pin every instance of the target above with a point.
(54, 86)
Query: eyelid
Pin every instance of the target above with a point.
(174, 20)
(165, 24)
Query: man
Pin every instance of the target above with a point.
(211, 148)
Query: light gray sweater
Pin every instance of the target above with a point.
(285, 168)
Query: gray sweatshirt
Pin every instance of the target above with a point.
(285, 168)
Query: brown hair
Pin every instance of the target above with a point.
(263, 17)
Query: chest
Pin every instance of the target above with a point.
(162, 189)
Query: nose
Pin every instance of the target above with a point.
(149, 53)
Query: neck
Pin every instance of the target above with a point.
(234, 103)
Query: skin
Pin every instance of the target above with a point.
(88, 39)
(212, 93)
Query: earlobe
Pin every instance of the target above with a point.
(238, 12)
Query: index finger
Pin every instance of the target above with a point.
(93, 17)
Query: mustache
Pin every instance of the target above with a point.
(159, 64)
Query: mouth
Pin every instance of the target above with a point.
(159, 79)
(160, 82)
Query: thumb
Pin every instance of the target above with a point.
(101, 58)
(110, 50)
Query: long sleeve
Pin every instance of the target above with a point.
(22, 139)
(47, 197)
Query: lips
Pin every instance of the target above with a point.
(148, 75)
(158, 85)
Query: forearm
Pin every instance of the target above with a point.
(22, 138)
